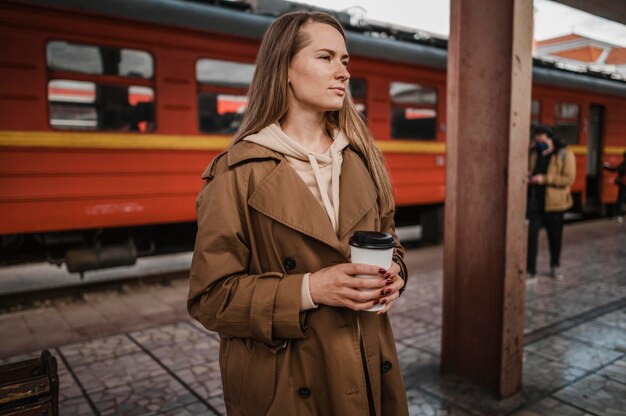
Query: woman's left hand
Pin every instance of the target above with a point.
(392, 291)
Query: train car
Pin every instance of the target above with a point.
(110, 110)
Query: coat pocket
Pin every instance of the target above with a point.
(249, 377)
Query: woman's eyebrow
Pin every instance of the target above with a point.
(333, 53)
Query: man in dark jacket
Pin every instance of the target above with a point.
(551, 172)
(620, 181)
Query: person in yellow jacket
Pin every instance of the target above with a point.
(552, 170)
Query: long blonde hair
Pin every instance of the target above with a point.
(267, 96)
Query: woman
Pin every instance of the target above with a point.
(271, 270)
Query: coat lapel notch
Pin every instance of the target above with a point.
(283, 197)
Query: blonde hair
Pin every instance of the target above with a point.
(267, 96)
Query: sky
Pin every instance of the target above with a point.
(551, 19)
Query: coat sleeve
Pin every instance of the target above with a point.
(567, 175)
(223, 297)
(388, 226)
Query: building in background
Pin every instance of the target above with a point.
(583, 53)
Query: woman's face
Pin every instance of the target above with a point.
(318, 77)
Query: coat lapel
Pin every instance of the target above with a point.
(283, 197)
(357, 194)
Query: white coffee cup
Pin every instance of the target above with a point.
(371, 247)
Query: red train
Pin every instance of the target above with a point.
(110, 110)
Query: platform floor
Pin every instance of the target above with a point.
(136, 352)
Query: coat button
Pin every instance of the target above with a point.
(304, 392)
(386, 367)
(289, 263)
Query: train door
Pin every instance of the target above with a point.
(594, 153)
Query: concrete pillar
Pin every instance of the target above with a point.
(489, 94)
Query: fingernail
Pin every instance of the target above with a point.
(388, 282)
(388, 275)
(382, 271)
(388, 291)
(382, 302)
(382, 292)
(376, 302)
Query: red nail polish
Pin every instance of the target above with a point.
(382, 292)
(388, 275)
(388, 291)
(388, 282)
(376, 302)
(382, 271)
(382, 302)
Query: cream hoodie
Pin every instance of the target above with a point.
(320, 173)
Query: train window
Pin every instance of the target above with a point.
(224, 73)
(100, 60)
(535, 111)
(566, 122)
(220, 113)
(413, 111)
(81, 105)
(358, 90)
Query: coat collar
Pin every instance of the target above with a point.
(283, 196)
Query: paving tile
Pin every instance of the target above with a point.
(428, 341)
(144, 397)
(145, 304)
(218, 404)
(77, 406)
(80, 315)
(572, 353)
(473, 398)
(170, 334)
(115, 371)
(68, 388)
(535, 319)
(424, 404)
(17, 337)
(550, 407)
(596, 394)
(417, 366)
(556, 304)
(86, 352)
(615, 319)
(542, 376)
(615, 371)
(114, 309)
(598, 334)
(405, 327)
(194, 351)
(195, 408)
(204, 379)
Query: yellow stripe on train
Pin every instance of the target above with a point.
(88, 140)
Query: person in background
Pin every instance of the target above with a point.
(620, 181)
(552, 170)
(271, 270)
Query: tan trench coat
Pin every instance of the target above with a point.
(260, 230)
(559, 177)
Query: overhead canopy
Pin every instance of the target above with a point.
(609, 9)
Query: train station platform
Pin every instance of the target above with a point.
(134, 350)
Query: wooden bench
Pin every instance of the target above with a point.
(30, 387)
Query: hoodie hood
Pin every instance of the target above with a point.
(320, 172)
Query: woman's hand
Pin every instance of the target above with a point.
(337, 286)
(392, 290)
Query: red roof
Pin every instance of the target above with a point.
(617, 57)
(560, 39)
(584, 54)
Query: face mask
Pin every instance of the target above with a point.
(542, 146)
